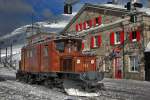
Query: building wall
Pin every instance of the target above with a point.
(130, 49)
(109, 56)
(91, 14)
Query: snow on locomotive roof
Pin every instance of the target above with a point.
(44, 37)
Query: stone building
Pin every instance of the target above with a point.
(118, 37)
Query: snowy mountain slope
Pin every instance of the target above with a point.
(18, 37)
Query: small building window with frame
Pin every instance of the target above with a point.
(134, 64)
(117, 37)
(88, 24)
(96, 41)
(134, 35)
(86, 45)
(96, 19)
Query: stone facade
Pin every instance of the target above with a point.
(118, 42)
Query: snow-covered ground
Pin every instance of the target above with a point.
(115, 90)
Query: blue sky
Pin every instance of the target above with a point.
(16, 13)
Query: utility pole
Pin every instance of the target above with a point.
(11, 55)
(6, 57)
(32, 22)
(123, 57)
(0, 56)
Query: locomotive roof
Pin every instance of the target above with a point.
(55, 38)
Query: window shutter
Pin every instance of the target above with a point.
(130, 36)
(99, 40)
(84, 25)
(90, 23)
(112, 38)
(121, 37)
(94, 21)
(77, 27)
(138, 35)
(92, 42)
(99, 20)
(82, 45)
(80, 26)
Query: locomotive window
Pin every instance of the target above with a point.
(29, 53)
(60, 46)
(46, 51)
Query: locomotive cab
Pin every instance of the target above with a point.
(71, 57)
(68, 45)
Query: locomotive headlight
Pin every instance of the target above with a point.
(92, 61)
(78, 61)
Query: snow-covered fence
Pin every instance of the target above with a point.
(11, 62)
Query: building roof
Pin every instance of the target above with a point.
(111, 7)
(107, 7)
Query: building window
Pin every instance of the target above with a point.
(134, 36)
(88, 24)
(97, 22)
(134, 64)
(96, 41)
(86, 46)
(80, 27)
(117, 38)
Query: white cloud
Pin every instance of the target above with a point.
(70, 15)
(61, 24)
(52, 26)
(16, 31)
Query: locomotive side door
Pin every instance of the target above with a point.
(67, 64)
(89, 64)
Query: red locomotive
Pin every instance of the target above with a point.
(51, 60)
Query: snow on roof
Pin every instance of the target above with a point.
(113, 6)
(146, 10)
